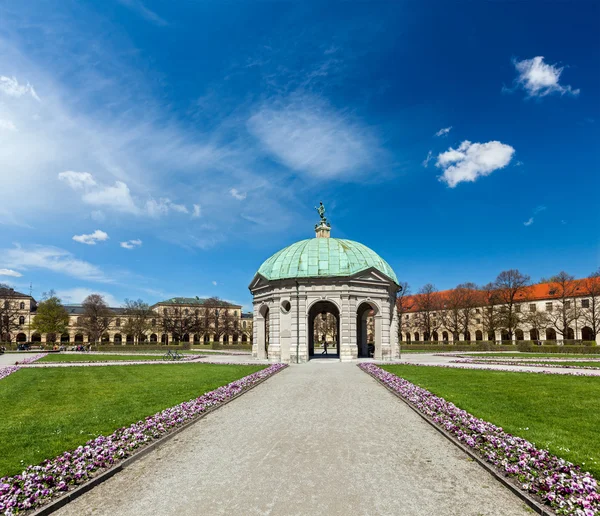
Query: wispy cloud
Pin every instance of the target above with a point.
(240, 196)
(214, 283)
(10, 272)
(77, 295)
(444, 131)
(536, 210)
(539, 79)
(7, 125)
(10, 86)
(197, 211)
(92, 238)
(307, 135)
(51, 259)
(473, 160)
(427, 159)
(131, 244)
(139, 7)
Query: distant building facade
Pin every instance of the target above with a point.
(228, 324)
(541, 313)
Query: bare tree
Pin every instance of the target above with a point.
(96, 317)
(9, 312)
(177, 321)
(471, 300)
(138, 319)
(591, 313)
(451, 313)
(404, 304)
(536, 319)
(429, 305)
(491, 310)
(564, 310)
(511, 287)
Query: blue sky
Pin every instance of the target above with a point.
(153, 149)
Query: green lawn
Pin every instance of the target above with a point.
(574, 363)
(45, 412)
(557, 412)
(85, 357)
(533, 355)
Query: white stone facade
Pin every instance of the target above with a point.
(286, 309)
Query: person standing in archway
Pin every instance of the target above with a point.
(324, 344)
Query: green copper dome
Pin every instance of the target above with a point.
(323, 257)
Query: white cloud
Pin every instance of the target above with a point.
(240, 196)
(98, 216)
(180, 208)
(52, 259)
(473, 160)
(214, 283)
(536, 210)
(7, 125)
(539, 79)
(75, 296)
(77, 180)
(11, 87)
(444, 131)
(142, 10)
(197, 211)
(131, 244)
(116, 197)
(92, 238)
(528, 222)
(427, 159)
(307, 135)
(10, 272)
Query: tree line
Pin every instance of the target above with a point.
(52, 318)
(499, 306)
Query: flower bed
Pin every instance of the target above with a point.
(186, 358)
(523, 363)
(36, 485)
(555, 481)
(505, 369)
(8, 370)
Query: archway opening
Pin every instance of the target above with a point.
(262, 332)
(323, 330)
(587, 333)
(366, 333)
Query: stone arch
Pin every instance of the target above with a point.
(36, 337)
(368, 309)
(587, 333)
(154, 337)
(21, 337)
(164, 339)
(206, 338)
(435, 336)
(519, 335)
(408, 337)
(569, 334)
(129, 339)
(534, 334)
(550, 334)
(478, 335)
(225, 339)
(244, 338)
(316, 309)
(504, 335)
(105, 339)
(445, 336)
(468, 336)
(416, 336)
(117, 339)
(79, 338)
(186, 337)
(196, 339)
(65, 338)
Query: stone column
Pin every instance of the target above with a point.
(348, 344)
(274, 324)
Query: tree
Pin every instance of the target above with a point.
(9, 312)
(591, 314)
(428, 305)
(471, 300)
(404, 304)
(51, 317)
(96, 317)
(139, 319)
(451, 313)
(537, 320)
(178, 321)
(562, 288)
(491, 311)
(512, 287)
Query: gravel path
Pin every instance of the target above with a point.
(318, 438)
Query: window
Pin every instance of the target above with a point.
(585, 303)
(235, 313)
(532, 307)
(21, 320)
(6, 304)
(477, 310)
(549, 306)
(567, 304)
(118, 322)
(244, 324)
(408, 316)
(517, 309)
(186, 311)
(478, 321)
(22, 306)
(154, 323)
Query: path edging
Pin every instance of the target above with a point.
(507, 482)
(105, 475)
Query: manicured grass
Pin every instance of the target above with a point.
(574, 363)
(532, 355)
(557, 412)
(45, 412)
(85, 357)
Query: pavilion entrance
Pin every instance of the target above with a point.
(365, 330)
(323, 327)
